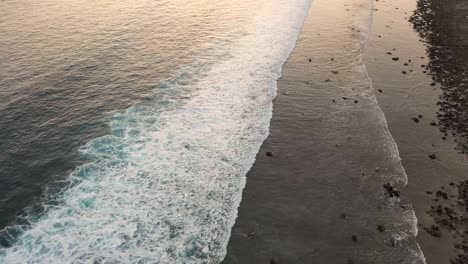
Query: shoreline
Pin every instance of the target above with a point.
(407, 73)
(324, 187)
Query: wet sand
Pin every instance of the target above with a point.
(325, 185)
(426, 112)
(417, 61)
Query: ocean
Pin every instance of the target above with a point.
(128, 128)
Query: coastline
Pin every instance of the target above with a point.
(416, 57)
(324, 187)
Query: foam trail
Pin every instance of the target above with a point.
(165, 185)
(410, 222)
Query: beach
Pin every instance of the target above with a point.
(426, 113)
(325, 185)
(288, 216)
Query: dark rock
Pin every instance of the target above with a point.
(269, 154)
(354, 238)
(380, 228)
(432, 156)
(392, 192)
(273, 261)
(415, 119)
(442, 194)
(433, 231)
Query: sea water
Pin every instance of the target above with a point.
(161, 106)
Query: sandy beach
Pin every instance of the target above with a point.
(286, 215)
(417, 56)
(325, 185)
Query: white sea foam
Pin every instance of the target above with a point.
(165, 185)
